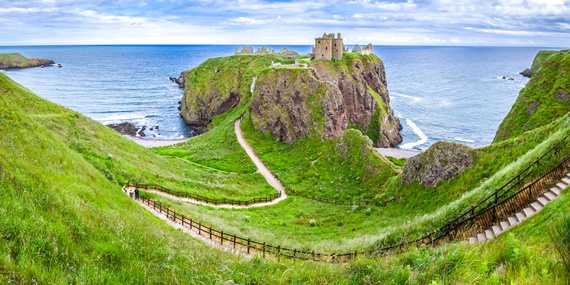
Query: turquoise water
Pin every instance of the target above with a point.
(440, 93)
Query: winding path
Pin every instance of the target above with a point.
(261, 169)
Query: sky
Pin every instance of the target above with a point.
(544, 23)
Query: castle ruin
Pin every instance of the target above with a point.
(328, 47)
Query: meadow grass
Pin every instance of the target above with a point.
(63, 218)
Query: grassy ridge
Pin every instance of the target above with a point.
(544, 99)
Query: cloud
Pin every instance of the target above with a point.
(247, 21)
(454, 22)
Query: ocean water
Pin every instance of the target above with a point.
(439, 93)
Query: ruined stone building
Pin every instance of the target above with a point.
(328, 47)
(366, 50)
(249, 50)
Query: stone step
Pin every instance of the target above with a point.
(497, 230)
(513, 220)
(543, 201)
(561, 185)
(472, 240)
(489, 234)
(520, 216)
(481, 237)
(505, 225)
(555, 191)
(566, 180)
(536, 206)
(528, 211)
(550, 196)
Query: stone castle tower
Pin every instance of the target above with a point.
(328, 47)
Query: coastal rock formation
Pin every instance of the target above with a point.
(16, 60)
(543, 100)
(127, 128)
(181, 79)
(325, 100)
(441, 161)
(218, 85)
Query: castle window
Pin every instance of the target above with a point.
(319, 42)
(326, 48)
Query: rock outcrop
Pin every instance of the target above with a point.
(441, 161)
(127, 128)
(181, 79)
(325, 100)
(16, 60)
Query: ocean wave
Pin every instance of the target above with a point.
(464, 140)
(413, 99)
(121, 117)
(418, 131)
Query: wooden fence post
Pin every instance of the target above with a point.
(278, 253)
(222, 237)
(264, 249)
(191, 223)
(248, 241)
(234, 241)
(210, 233)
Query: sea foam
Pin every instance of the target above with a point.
(418, 131)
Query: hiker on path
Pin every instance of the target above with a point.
(136, 193)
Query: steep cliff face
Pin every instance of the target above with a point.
(325, 100)
(218, 85)
(543, 100)
(441, 161)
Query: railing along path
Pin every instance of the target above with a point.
(502, 202)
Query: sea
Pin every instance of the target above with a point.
(458, 94)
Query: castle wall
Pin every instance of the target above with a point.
(338, 48)
(323, 48)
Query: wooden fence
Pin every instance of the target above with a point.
(495, 207)
(219, 201)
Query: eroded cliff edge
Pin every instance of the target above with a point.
(321, 100)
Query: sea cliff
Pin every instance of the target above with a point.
(320, 99)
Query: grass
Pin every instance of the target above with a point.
(63, 218)
(542, 101)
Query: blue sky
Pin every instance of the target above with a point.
(394, 22)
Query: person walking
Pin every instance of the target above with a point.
(136, 193)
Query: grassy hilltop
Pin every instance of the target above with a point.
(64, 218)
(16, 60)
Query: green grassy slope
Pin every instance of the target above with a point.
(63, 218)
(544, 99)
(538, 61)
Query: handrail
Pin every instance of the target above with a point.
(213, 201)
(457, 227)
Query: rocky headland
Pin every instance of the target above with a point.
(538, 61)
(16, 60)
(320, 101)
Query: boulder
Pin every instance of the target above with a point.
(441, 161)
(124, 128)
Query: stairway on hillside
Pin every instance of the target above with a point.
(526, 213)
